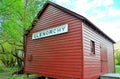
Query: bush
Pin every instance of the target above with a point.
(117, 57)
(8, 59)
(1, 69)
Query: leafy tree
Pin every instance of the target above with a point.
(117, 56)
(117, 53)
(16, 16)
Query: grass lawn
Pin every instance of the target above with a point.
(117, 68)
(6, 73)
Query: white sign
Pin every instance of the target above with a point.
(52, 31)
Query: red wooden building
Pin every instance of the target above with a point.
(65, 45)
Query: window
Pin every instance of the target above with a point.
(92, 45)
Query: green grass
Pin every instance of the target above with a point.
(6, 73)
(18, 77)
(117, 68)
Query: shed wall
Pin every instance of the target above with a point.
(92, 63)
(58, 56)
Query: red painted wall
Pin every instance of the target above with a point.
(93, 67)
(67, 56)
(58, 56)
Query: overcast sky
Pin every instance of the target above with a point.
(105, 14)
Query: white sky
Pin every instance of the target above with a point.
(105, 14)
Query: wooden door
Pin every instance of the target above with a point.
(104, 59)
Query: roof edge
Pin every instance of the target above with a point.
(90, 24)
(82, 18)
(85, 20)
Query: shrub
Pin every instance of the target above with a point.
(117, 56)
(8, 59)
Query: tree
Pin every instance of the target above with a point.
(16, 17)
(117, 53)
(117, 56)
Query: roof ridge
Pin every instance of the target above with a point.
(84, 20)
